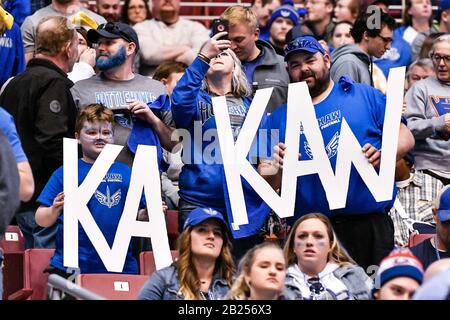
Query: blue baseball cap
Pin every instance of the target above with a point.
(303, 43)
(114, 30)
(443, 204)
(199, 215)
(444, 5)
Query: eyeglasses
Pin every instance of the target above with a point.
(386, 40)
(437, 58)
(114, 29)
(304, 43)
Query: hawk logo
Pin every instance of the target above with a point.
(108, 199)
(331, 148)
(210, 211)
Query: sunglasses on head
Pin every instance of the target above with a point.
(114, 29)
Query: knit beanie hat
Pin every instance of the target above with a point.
(401, 262)
(285, 11)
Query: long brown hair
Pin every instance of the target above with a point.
(337, 253)
(187, 275)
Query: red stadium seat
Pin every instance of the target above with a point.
(416, 238)
(14, 240)
(34, 279)
(113, 286)
(147, 262)
(172, 227)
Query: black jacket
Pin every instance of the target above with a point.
(40, 101)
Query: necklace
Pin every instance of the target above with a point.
(438, 256)
(208, 296)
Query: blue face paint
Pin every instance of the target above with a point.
(111, 61)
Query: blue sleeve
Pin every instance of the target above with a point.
(19, 61)
(52, 188)
(9, 129)
(185, 95)
(20, 9)
(153, 289)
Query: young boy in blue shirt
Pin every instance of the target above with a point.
(94, 129)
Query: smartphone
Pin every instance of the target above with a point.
(220, 25)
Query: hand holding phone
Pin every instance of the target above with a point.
(220, 25)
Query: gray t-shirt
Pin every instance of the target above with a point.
(115, 94)
(29, 25)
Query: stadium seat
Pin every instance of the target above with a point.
(172, 227)
(416, 238)
(34, 279)
(113, 286)
(13, 246)
(14, 240)
(147, 262)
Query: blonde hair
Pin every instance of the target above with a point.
(52, 38)
(239, 83)
(337, 253)
(240, 15)
(187, 275)
(240, 289)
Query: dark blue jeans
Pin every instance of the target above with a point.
(35, 236)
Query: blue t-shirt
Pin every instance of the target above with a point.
(8, 127)
(106, 206)
(363, 108)
(250, 66)
(12, 55)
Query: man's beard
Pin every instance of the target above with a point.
(112, 61)
(321, 83)
(167, 14)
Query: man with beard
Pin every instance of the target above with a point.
(65, 8)
(42, 106)
(356, 60)
(111, 10)
(119, 88)
(168, 37)
(363, 226)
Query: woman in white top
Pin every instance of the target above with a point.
(319, 267)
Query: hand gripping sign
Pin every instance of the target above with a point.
(145, 175)
(301, 110)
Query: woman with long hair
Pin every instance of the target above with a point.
(262, 273)
(204, 268)
(319, 268)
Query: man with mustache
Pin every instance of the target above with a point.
(168, 37)
(356, 60)
(428, 114)
(111, 10)
(363, 226)
(119, 88)
(65, 8)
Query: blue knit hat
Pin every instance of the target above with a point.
(401, 262)
(285, 11)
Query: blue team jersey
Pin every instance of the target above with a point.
(363, 108)
(106, 206)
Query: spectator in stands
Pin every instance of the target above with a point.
(319, 18)
(93, 130)
(23, 166)
(9, 193)
(42, 106)
(168, 37)
(263, 67)
(363, 226)
(204, 269)
(417, 24)
(400, 274)
(347, 10)
(428, 43)
(341, 34)
(169, 74)
(282, 20)
(319, 268)
(11, 49)
(261, 275)
(63, 8)
(437, 247)
(84, 67)
(419, 70)
(263, 10)
(135, 11)
(416, 192)
(444, 16)
(428, 115)
(118, 88)
(355, 60)
(111, 10)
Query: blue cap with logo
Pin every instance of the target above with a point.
(285, 11)
(114, 30)
(304, 43)
(443, 204)
(199, 215)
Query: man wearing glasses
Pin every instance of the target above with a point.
(428, 114)
(356, 60)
